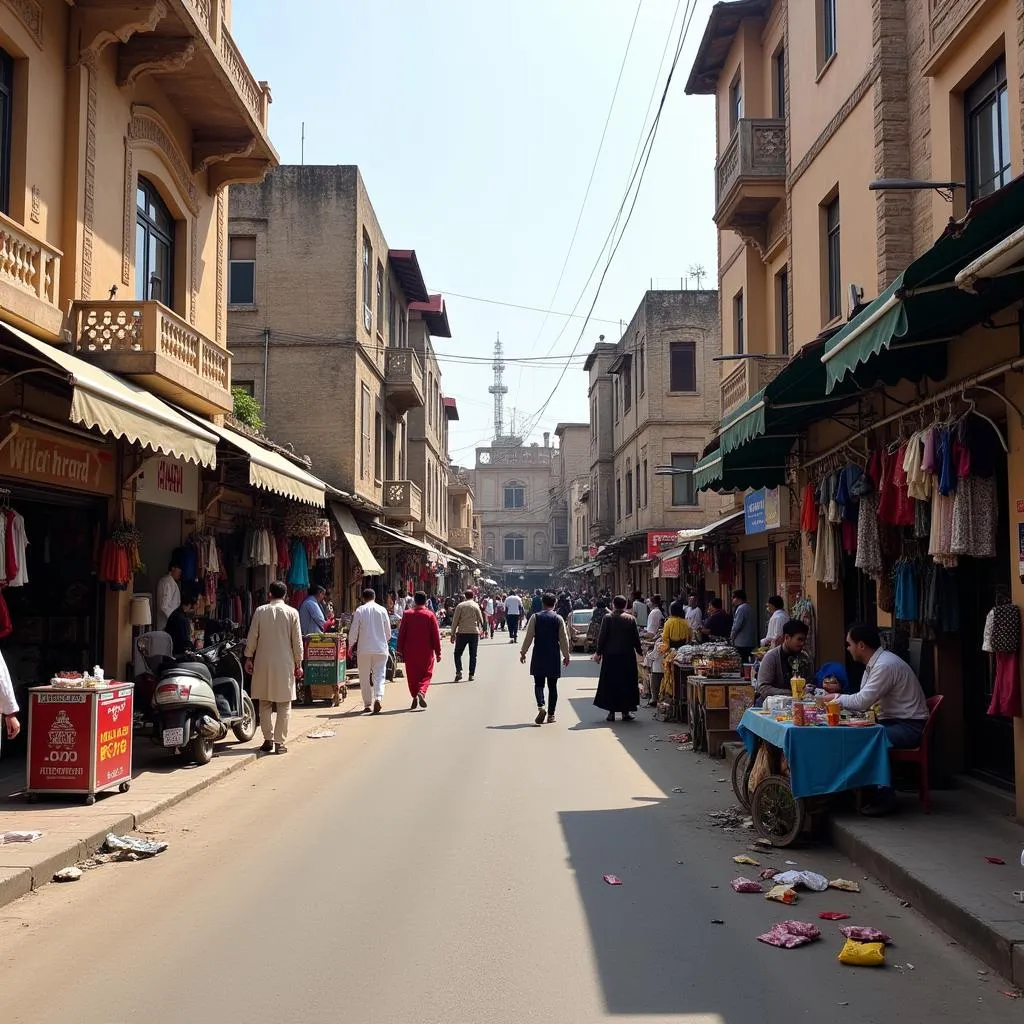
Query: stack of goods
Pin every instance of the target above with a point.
(717, 660)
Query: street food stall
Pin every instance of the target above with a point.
(716, 694)
(797, 757)
(324, 657)
(79, 737)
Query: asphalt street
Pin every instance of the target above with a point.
(445, 867)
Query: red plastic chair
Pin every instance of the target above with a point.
(919, 755)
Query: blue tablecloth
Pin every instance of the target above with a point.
(823, 759)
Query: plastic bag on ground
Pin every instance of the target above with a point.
(781, 894)
(744, 859)
(130, 844)
(808, 879)
(844, 884)
(859, 934)
(831, 915)
(745, 885)
(19, 837)
(790, 934)
(862, 954)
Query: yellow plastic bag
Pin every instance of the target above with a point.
(862, 954)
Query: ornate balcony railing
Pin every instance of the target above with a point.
(403, 378)
(403, 501)
(747, 378)
(27, 263)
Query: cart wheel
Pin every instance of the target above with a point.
(740, 767)
(344, 692)
(778, 815)
(124, 787)
(90, 800)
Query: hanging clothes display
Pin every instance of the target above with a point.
(1001, 637)
(974, 519)
(298, 574)
(869, 546)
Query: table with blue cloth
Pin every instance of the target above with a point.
(822, 759)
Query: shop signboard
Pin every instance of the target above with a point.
(762, 511)
(669, 569)
(171, 483)
(59, 460)
(660, 540)
(113, 737)
(59, 740)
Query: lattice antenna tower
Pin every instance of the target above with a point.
(499, 389)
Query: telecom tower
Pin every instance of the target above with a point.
(499, 389)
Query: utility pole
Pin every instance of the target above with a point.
(499, 389)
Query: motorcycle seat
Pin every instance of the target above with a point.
(195, 669)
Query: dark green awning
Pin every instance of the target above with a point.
(902, 334)
(761, 463)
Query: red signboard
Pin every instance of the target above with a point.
(661, 540)
(59, 740)
(114, 738)
(669, 568)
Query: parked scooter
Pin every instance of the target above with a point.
(199, 698)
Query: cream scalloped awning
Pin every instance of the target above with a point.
(356, 541)
(115, 406)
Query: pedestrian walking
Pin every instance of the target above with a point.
(419, 646)
(639, 609)
(8, 703)
(744, 626)
(369, 636)
(618, 686)
(513, 615)
(563, 605)
(499, 612)
(489, 614)
(273, 653)
(467, 625)
(536, 604)
(547, 634)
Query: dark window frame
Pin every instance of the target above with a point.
(514, 489)
(516, 539)
(739, 323)
(988, 95)
(627, 386)
(782, 311)
(779, 83)
(6, 128)
(682, 483)
(689, 349)
(735, 101)
(147, 220)
(833, 259)
(234, 264)
(828, 41)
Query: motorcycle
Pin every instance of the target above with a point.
(199, 698)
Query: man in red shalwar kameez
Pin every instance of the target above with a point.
(419, 646)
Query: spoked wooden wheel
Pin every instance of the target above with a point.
(778, 815)
(740, 767)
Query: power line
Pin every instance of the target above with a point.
(516, 305)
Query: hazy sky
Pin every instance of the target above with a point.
(475, 125)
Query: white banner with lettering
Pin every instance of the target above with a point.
(172, 483)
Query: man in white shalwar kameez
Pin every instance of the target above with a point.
(8, 703)
(274, 658)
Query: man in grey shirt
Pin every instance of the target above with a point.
(744, 625)
(784, 662)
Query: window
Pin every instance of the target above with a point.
(618, 500)
(779, 83)
(737, 322)
(430, 403)
(515, 549)
(515, 496)
(826, 31)
(683, 492)
(833, 283)
(593, 419)
(643, 504)
(154, 246)
(629, 490)
(380, 297)
(561, 535)
(682, 366)
(615, 398)
(627, 385)
(364, 432)
(641, 370)
(392, 318)
(378, 441)
(735, 102)
(782, 312)
(988, 132)
(242, 271)
(6, 128)
(248, 386)
(367, 282)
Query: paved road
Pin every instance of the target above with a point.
(445, 866)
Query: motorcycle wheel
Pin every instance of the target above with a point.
(246, 728)
(200, 748)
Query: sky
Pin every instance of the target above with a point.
(475, 126)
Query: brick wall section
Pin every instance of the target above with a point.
(893, 225)
(920, 128)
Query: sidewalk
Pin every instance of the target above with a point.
(73, 831)
(936, 862)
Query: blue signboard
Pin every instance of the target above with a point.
(762, 511)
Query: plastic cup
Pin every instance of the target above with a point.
(833, 710)
(796, 684)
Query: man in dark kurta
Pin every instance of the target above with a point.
(618, 687)
(547, 633)
(419, 646)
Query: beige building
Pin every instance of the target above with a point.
(571, 471)
(463, 525)
(654, 403)
(121, 126)
(856, 309)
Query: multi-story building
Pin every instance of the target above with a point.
(463, 529)
(659, 404)
(511, 483)
(571, 469)
(869, 212)
(120, 127)
(330, 328)
(601, 498)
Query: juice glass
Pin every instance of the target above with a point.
(833, 709)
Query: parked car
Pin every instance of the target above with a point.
(579, 623)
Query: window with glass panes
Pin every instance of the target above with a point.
(683, 490)
(987, 122)
(154, 245)
(242, 270)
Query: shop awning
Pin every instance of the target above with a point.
(356, 541)
(409, 541)
(760, 463)
(924, 308)
(688, 537)
(114, 406)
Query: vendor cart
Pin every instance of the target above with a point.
(716, 707)
(323, 668)
(79, 740)
(791, 772)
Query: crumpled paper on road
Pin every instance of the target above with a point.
(844, 884)
(19, 837)
(808, 879)
(790, 934)
(132, 848)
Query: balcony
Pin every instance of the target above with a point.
(461, 538)
(403, 501)
(747, 377)
(153, 345)
(458, 482)
(750, 178)
(29, 280)
(201, 71)
(403, 380)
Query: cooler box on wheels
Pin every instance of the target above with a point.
(323, 668)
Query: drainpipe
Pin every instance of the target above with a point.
(266, 361)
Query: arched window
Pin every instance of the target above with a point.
(154, 246)
(515, 547)
(515, 495)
